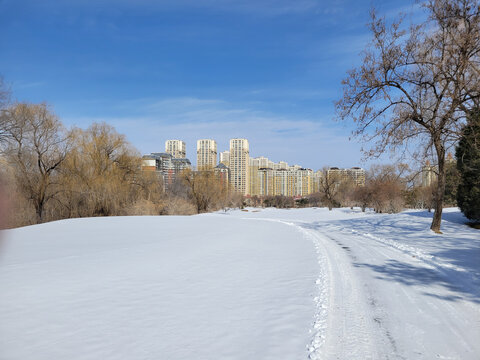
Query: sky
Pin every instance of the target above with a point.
(266, 70)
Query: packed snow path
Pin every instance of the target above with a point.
(262, 284)
(391, 289)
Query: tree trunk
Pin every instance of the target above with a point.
(440, 190)
(39, 211)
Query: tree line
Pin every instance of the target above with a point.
(50, 172)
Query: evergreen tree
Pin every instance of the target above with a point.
(452, 180)
(468, 164)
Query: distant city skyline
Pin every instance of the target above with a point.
(249, 176)
(268, 71)
(193, 154)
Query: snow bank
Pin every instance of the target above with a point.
(155, 288)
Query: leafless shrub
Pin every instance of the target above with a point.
(142, 207)
(385, 189)
(180, 206)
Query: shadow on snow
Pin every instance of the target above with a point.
(455, 255)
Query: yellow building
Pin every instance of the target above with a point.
(267, 181)
(239, 165)
(317, 181)
(354, 174)
(254, 177)
(206, 154)
(176, 148)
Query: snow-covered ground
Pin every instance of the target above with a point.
(257, 284)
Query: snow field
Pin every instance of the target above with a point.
(257, 284)
(156, 288)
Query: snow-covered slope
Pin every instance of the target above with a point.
(257, 284)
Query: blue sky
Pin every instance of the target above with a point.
(266, 70)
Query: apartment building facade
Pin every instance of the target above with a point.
(165, 166)
(355, 174)
(269, 178)
(239, 165)
(206, 154)
(225, 158)
(176, 148)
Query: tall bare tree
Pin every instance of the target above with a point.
(416, 86)
(36, 146)
(329, 187)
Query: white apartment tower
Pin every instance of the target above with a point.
(239, 161)
(206, 154)
(176, 148)
(225, 158)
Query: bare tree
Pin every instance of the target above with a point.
(102, 173)
(329, 187)
(386, 188)
(363, 196)
(36, 146)
(345, 192)
(205, 189)
(416, 86)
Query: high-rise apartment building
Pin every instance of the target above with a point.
(225, 158)
(355, 175)
(317, 178)
(206, 154)
(253, 177)
(176, 148)
(239, 163)
(429, 174)
(267, 181)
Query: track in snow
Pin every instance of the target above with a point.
(346, 325)
(382, 297)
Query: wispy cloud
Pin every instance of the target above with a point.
(412, 11)
(264, 7)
